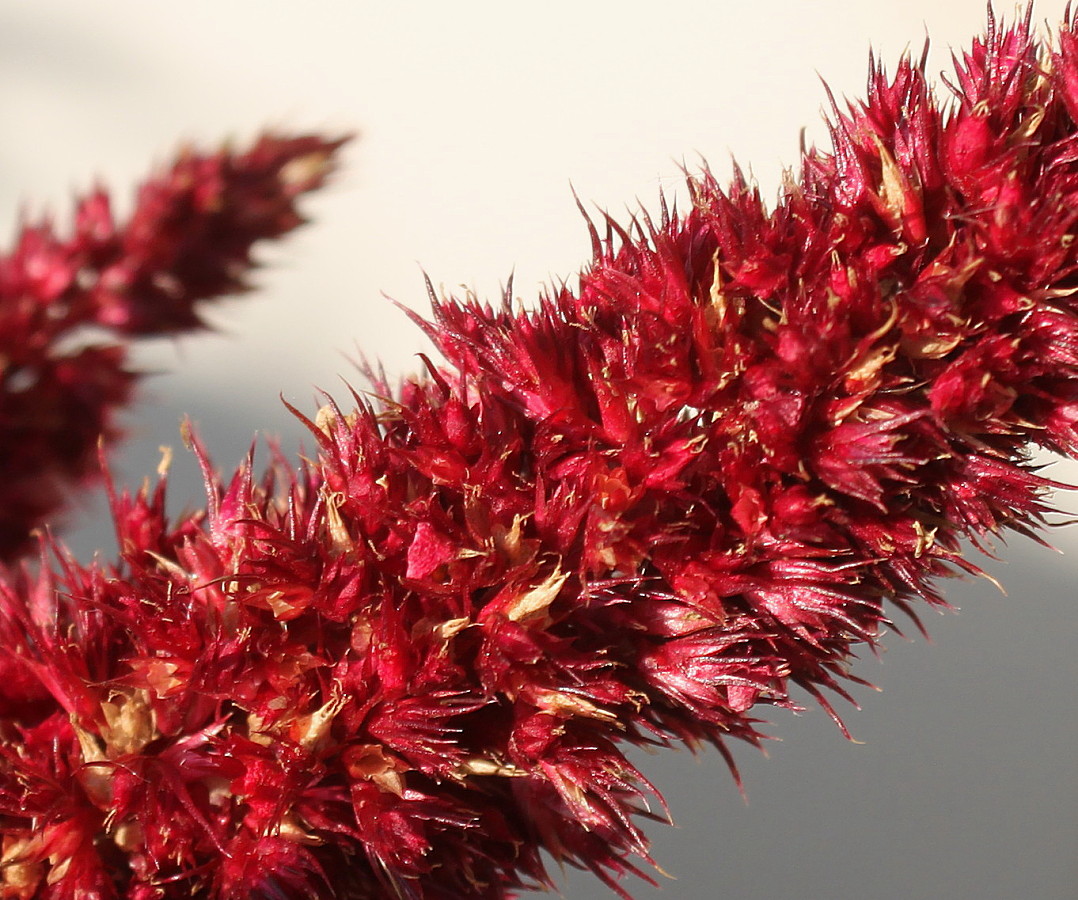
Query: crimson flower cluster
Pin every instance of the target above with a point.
(633, 514)
(188, 240)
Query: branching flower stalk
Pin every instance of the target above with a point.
(634, 514)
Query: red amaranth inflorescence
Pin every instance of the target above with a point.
(188, 240)
(634, 514)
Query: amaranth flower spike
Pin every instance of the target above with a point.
(188, 240)
(633, 514)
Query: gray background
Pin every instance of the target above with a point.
(476, 117)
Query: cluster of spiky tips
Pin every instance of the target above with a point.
(633, 514)
(188, 240)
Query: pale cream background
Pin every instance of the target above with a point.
(476, 117)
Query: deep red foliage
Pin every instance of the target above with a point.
(64, 302)
(635, 513)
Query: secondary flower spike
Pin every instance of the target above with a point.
(637, 513)
(188, 240)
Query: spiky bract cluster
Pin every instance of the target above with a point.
(633, 514)
(188, 240)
